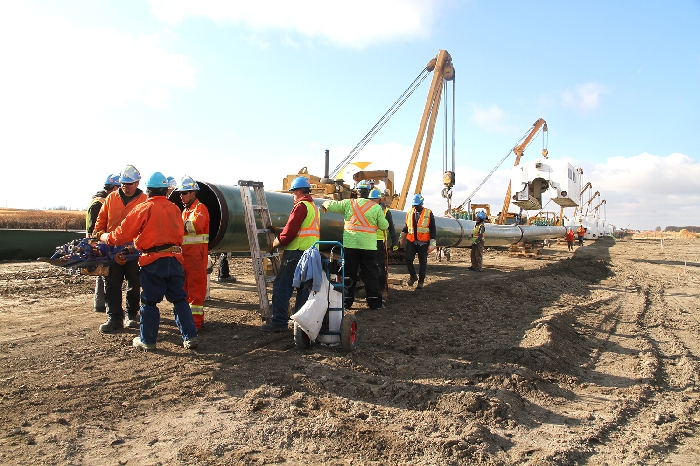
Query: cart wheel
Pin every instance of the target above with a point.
(349, 333)
(301, 339)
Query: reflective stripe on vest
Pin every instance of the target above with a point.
(477, 227)
(422, 232)
(310, 230)
(381, 234)
(358, 222)
(195, 239)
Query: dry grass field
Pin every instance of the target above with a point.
(42, 219)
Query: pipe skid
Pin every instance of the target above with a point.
(227, 229)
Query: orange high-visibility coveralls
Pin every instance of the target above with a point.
(195, 249)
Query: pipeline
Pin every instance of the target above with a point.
(227, 229)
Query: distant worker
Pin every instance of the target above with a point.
(195, 247)
(111, 184)
(363, 217)
(302, 230)
(116, 207)
(155, 227)
(581, 233)
(419, 234)
(172, 186)
(382, 245)
(478, 235)
(570, 238)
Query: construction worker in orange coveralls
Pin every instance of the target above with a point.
(195, 247)
(155, 227)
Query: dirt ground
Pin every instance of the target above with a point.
(589, 357)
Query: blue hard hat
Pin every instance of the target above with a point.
(417, 200)
(375, 194)
(300, 182)
(364, 184)
(172, 182)
(129, 175)
(188, 184)
(157, 180)
(481, 215)
(112, 180)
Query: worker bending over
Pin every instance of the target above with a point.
(155, 227)
(195, 247)
(363, 217)
(382, 246)
(116, 207)
(477, 253)
(302, 230)
(419, 235)
(111, 184)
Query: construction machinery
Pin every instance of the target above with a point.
(518, 150)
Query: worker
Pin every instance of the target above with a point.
(363, 217)
(419, 235)
(155, 227)
(581, 233)
(478, 235)
(195, 247)
(172, 186)
(116, 207)
(302, 230)
(569, 236)
(382, 247)
(111, 183)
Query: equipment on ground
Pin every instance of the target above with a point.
(261, 278)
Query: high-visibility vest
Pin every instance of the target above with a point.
(581, 231)
(96, 199)
(357, 222)
(422, 232)
(477, 230)
(191, 236)
(381, 234)
(310, 230)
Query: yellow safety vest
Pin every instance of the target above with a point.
(310, 230)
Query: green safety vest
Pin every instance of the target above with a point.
(310, 230)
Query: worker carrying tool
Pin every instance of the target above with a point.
(116, 207)
(111, 184)
(363, 217)
(195, 247)
(382, 245)
(302, 230)
(419, 235)
(155, 227)
(477, 253)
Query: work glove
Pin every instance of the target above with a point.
(273, 229)
(96, 234)
(394, 248)
(324, 207)
(275, 244)
(402, 240)
(104, 237)
(433, 245)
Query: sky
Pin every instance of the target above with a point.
(230, 90)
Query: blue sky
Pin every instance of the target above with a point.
(233, 90)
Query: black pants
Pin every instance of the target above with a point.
(381, 265)
(365, 260)
(223, 270)
(422, 251)
(113, 290)
(580, 240)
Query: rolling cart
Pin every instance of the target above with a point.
(338, 327)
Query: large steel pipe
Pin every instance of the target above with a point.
(228, 230)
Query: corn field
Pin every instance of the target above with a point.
(42, 219)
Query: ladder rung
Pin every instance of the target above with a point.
(264, 230)
(259, 207)
(269, 279)
(267, 254)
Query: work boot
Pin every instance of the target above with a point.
(274, 328)
(411, 281)
(191, 343)
(230, 279)
(420, 284)
(111, 325)
(132, 322)
(144, 346)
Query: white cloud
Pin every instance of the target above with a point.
(354, 24)
(493, 120)
(584, 98)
